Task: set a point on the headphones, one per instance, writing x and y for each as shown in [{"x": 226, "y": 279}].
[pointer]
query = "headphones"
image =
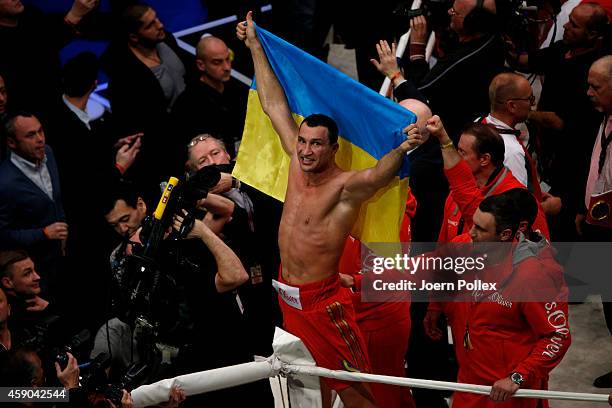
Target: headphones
[{"x": 479, "y": 20}]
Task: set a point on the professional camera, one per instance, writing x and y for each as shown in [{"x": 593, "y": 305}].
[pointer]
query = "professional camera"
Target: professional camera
[
  {"x": 520, "y": 20},
  {"x": 48, "y": 337},
  {"x": 43, "y": 332},
  {"x": 149, "y": 284},
  {"x": 75, "y": 344},
  {"x": 95, "y": 381},
  {"x": 435, "y": 11}
]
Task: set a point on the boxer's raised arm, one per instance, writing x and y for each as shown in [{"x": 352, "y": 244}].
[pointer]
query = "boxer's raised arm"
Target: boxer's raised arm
[{"x": 269, "y": 90}]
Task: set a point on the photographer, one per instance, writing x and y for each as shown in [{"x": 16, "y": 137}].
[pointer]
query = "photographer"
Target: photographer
[
  {"x": 23, "y": 367},
  {"x": 125, "y": 211},
  {"x": 248, "y": 233},
  {"x": 565, "y": 110},
  {"x": 456, "y": 86}
]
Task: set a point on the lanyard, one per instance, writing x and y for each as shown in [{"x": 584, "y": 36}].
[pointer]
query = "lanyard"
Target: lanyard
[{"x": 605, "y": 141}]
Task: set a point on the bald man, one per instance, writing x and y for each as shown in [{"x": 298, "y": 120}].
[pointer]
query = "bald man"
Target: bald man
[
  {"x": 421, "y": 110},
  {"x": 511, "y": 100},
  {"x": 214, "y": 62},
  {"x": 600, "y": 170},
  {"x": 213, "y": 103},
  {"x": 565, "y": 111}
]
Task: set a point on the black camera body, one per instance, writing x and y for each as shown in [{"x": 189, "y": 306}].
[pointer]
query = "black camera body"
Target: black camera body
[
  {"x": 96, "y": 383},
  {"x": 149, "y": 281},
  {"x": 435, "y": 11},
  {"x": 519, "y": 20},
  {"x": 48, "y": 338},
  {"x": 75, "y": 344}
]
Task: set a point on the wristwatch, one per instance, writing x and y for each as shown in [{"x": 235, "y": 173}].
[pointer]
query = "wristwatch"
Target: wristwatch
[{"x": 517, "y": 378}]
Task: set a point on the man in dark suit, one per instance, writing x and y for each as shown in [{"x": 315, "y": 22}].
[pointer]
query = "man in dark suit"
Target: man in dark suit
[
  {"x": 31, "y": 212},
  {"x": 83, "y": 175}
]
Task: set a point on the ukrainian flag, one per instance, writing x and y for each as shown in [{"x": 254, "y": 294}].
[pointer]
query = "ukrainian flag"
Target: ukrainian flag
[{"x": 369, "y": 125}]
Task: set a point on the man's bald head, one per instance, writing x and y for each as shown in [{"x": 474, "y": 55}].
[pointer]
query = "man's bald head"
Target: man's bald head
[
  {"x": 506, "y": 86},
  {"x": 604, "y": 66},
  {"x": 209, "y": 44},
  {"x": 587, "y": 23},
  {"x": 422, "y": 112},
  {"x": 214, "y": 61},
  {"x": 600, "y": 84}
]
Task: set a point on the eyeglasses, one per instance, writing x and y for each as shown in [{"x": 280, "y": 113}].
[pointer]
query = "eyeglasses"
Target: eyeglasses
[
  {"x": 197, "y": 140},
  {"x": 531, "y": 99}
]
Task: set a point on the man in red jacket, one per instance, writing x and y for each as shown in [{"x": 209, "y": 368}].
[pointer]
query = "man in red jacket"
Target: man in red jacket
[
  {"x": 516, "y": 334},
  {"x": 474, "y": 170}
]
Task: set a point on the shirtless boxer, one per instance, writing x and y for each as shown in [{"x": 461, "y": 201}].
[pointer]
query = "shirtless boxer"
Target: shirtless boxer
[{"x": 321, "y": 205}]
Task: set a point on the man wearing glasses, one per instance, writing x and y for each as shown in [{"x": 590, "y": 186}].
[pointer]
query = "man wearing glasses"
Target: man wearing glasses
[{"x": 512, "y": 102}]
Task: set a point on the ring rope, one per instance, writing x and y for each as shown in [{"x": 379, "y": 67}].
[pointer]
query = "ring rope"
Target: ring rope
[{"x": 226, "y": 377}]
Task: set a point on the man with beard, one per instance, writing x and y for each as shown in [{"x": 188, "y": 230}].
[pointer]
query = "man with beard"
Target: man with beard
[{"x": 147, "y": 72}]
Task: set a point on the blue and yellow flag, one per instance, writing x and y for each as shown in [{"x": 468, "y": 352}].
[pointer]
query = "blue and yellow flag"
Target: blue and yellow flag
[{"x": 369, "y": 124}]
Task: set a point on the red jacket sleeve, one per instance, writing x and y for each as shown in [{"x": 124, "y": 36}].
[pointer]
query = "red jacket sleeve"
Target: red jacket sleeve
[
  {"x": 464, "y": 190},
  {"x": 550, "y": 323}
]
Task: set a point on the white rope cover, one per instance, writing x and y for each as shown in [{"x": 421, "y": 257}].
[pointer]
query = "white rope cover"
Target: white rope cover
[
  {"x": 203, "y": 381},
  {"x": 293, "y": 360},
  {"x": 440, "y": 385}
]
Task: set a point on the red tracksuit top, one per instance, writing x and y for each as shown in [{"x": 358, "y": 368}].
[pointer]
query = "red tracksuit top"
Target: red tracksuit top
[
  {"x": 465, "y": 197},
  {"x": 509, "y": 336}
]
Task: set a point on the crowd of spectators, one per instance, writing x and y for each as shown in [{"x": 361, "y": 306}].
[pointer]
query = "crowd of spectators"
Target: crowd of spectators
[{"x": 77, "y": 192}]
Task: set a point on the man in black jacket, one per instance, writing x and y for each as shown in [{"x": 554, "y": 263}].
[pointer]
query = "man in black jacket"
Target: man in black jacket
[
  {"x": 455, "y": 88},
  {"x": 147, "y": 72},
  {"x": 83, "y": 146},
  {"x": 567, "y": 119},
  {"x": 213, "y": 103}
]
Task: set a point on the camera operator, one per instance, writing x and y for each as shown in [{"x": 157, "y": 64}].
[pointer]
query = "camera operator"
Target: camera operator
[
  {"x": 223, "y": 336},
  {"x": 565, "y": 110},
  {"x": 125, "y": 211},
  {"x": 246, "y": 233},
  {"x": 21, "y": 282},
  {"x": 23, "y": 367},
  {"x": 456, "y": 86}
]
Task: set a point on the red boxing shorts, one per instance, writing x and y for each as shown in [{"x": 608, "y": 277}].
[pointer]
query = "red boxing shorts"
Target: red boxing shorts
[{"x": 321, "y": 314}]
